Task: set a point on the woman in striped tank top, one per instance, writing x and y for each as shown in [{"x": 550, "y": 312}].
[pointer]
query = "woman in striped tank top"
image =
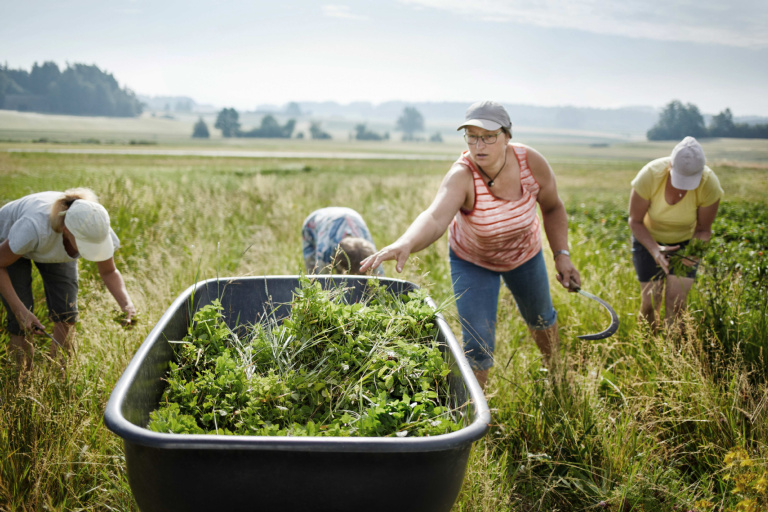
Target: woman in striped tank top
[{"x": 488, "y": 201}]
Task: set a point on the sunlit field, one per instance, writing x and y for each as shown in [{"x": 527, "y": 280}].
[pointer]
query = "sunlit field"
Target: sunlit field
[{"x": 636, "y": 422}]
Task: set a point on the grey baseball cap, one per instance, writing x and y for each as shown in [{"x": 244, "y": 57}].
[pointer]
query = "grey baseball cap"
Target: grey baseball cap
[
  {"x": 488, "y": 115},
  {"x": 687, "y": 164}
]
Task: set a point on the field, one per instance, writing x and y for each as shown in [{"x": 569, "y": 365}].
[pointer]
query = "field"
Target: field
[{"x": 639, "y": 422}]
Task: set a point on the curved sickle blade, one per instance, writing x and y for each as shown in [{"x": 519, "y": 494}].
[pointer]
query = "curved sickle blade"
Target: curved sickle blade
[
  {"x": 41, "y": 331},
  {"x": 614, "y": 318}
]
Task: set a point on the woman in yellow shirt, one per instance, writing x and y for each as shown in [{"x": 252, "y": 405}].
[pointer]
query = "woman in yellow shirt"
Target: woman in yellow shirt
[{"x": 673, "y": 200}]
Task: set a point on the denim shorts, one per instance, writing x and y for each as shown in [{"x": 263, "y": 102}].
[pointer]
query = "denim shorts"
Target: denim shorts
[
  {"x": 59, "y": 282},
  {"x": 646, "y": 267},
  {"x": 477, "y": 299}
]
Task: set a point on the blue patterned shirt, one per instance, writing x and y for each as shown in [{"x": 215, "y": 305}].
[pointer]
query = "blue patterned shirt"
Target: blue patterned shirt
[{"x": 322, "y": 231}]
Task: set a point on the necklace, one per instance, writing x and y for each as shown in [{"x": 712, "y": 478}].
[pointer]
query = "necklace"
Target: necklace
[{"x": 491, "y": 180}]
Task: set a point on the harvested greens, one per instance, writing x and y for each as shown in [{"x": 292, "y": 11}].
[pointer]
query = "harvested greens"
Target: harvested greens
[{"x": 370, "y": 368}]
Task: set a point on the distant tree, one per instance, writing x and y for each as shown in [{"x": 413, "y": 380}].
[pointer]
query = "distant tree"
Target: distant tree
[
  {"x": 86, "y": 90},
  {"x": 5, "y": 84},
  {"x": 410, "y": 122},
  {"x": 678, "y": 121},
  {"x": 316, "y": 132},
  {"x": 293, "y": 109},
  {"x": 722, "y": 125},
  {"x": 200, "y": 131},
  {"x": 436, "y": 137},
  {"x": 227, "y": 122},
  {"x": 270, "y": 128},
  {"x": 41, "y": 77},
  {"x": 362, "y": 133}
]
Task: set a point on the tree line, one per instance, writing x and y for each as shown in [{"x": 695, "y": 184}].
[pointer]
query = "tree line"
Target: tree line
[
  {"x": 228, "y": 121},
  {"x": 80, "y": 89},
  {"x": 678, "y": 121}
]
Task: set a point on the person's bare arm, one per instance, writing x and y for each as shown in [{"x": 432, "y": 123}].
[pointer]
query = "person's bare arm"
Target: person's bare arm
[
  {"x": 705, "y": 216},
  {"x": 430, "y": 224},
  {"x": 555, "y": 218},
  {"x": 638, "y": 207},
  {"x": 116, "y": 286},
  {"x": 27, "y": 320}
]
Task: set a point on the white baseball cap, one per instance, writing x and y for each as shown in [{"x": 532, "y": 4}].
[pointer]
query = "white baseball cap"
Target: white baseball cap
[
  {"x": 89, "y": 223},
  {"x": 687, "y": 164}
]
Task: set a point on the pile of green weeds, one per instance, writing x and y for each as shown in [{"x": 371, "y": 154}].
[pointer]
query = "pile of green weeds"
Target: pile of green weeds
[{"x": 370, "y": 368}]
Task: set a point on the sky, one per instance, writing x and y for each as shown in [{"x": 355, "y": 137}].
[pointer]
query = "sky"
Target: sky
[{"x": 241, "y": 54}]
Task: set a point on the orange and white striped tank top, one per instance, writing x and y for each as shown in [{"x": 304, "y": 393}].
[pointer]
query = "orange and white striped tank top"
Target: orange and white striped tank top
[{"x": 497, "y": 234}]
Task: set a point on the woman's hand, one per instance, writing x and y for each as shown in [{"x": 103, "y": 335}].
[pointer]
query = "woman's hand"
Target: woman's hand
[
  {"x": 567, "y": 273},
  {"x": 398, "y": 251},
  {"x": 28, "y": 321},
  {"x": 130, "y": 312},
  {"x": 661, "y": 256}
]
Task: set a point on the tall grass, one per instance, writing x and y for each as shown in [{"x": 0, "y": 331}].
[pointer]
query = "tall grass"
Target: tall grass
[{"x": 635, "y": 422}]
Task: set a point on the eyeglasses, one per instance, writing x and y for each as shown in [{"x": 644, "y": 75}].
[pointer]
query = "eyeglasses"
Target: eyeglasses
[{"x": 487, "y": 139}]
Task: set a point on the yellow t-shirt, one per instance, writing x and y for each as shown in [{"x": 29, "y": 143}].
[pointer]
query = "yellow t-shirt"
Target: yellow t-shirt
[{"x": 667, "y": 223}]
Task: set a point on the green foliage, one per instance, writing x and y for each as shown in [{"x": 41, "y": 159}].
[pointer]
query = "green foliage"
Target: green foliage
[
  {"x": 330, "y": 369},
  {"x": 678, "y": 121},
  {"x": 79, "y": 90},
  {"x": 227, "y": 121},
  {"x": 732, "y": 290},
  {"x": 271, "y": 129},
  {"x": 681, "y": 260},
  {"x": 200, "y": 130},
  {"x": 436, "y": 137},
  {"x": 316, "y": 132},
  {"x": 722, "y": 125},
  {"x": 410, "y": 122},
  {"x": 363, "y": 133}
]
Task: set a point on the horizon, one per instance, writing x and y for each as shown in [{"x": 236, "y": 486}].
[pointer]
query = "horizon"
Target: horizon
[{"x": 596, "y": 54}]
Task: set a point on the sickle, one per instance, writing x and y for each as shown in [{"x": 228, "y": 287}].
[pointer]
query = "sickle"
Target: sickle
[
  {"x": 614, "y": 317},
  {"x": 43, "y": 331}
]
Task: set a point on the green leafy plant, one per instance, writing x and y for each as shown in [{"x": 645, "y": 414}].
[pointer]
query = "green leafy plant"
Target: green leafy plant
[
  {"x": 681, "y": 260},
  {"x": 331, "y": 368}
]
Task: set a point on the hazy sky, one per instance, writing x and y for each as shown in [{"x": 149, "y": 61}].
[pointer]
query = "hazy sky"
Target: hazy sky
[{"x": 600, "y": 53}]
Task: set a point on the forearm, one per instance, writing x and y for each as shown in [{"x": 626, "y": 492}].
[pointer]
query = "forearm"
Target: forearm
[
  {"x": 642, "y": 235},
  {"x": 116, "y": 286},
  {"x": 422, "y": 233},
  {"x": 9, "y": 294},
  {"x": 703, "y": 234},
  {"x": 556, "y": 228}
]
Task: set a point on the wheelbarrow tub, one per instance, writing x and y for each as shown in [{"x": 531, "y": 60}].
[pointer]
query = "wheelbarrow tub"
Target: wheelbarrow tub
[{"x": 175, "y": 472}]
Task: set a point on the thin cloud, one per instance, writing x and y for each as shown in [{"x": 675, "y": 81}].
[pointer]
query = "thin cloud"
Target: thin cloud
[
  {"x": 741, "y": 23},
  {"x": 341, "y": 11}
]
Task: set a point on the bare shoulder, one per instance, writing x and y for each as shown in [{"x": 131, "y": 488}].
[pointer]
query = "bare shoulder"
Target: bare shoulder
[
  {"x": 535, "y": 158},
  {"x": 458, "y": 173},
  {"x": 539, "y": 166}
]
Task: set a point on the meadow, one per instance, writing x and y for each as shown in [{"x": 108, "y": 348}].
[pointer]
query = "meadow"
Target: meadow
[{"x": 636, "y": 422}]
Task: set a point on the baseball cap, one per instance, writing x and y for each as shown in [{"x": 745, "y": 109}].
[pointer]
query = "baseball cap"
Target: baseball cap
[
  {"x": 488, "y": 115},
  {"x": 687, "y": 164},
  {"x": 89, "y": 223}
]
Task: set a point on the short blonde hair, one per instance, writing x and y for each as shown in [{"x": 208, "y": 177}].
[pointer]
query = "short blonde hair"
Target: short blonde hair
[
  {"x": 350, "y": 252},
  {"x": 65, "y": 201}
]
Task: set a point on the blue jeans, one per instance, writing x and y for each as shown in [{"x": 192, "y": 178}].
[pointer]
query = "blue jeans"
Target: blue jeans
[{"x": 477, "y": 299}]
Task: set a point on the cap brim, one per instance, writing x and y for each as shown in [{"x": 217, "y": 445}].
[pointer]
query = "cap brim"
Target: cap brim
[
  {"x": 685, "y": 182},
  {"x": 481, "y": 123},
  {"x": 101, "y": 251}
]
